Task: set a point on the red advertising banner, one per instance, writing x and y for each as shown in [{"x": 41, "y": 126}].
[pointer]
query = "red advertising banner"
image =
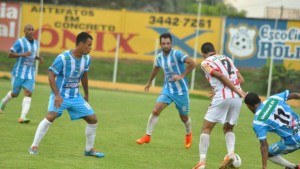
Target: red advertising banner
[{"x": 9, "y": 24}]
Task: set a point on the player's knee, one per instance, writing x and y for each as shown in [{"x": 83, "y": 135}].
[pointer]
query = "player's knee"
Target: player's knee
[
  {"x": 14, "y": 94},
  {"x": 156, "y": 112}
]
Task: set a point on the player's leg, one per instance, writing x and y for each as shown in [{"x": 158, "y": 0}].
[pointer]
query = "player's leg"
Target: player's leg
[
  {"x": 25, "y": 106},
  {"x": 279, "y": 148},
  {"x": 183, "y": 106},
  {"x": 231, "y": 108},
  {"x": 41, "y": 131},
  {"x": 16, "y": 88},
  {"x": 162, "y": 102},
  {"x": 90, "y": 132},
  {"x": 79, "y": 108},
  {"x": 44, "y": 125}
]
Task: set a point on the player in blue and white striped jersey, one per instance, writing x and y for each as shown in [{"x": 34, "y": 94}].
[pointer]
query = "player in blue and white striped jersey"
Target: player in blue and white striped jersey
[
  {"x": 276, "y": 116},
  {"x": 175, "y": 88},
  {"x": 67, "y": 71},
  {"x": 24, "y": 51}
]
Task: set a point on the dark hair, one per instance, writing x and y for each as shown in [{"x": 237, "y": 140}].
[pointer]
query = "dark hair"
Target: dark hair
[
  {"x": 165, "y": 35},
  {"x": 83, "y": 37},
  {"x": 252, "y": 99},
  {"x": 207, "y": 47}
]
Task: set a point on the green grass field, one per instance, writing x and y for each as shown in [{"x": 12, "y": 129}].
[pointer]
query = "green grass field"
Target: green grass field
[{"x": 123, "y": 117}]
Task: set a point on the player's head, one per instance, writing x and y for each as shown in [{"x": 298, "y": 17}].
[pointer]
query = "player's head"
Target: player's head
[
  {"x": 84, "y": 42},
  {"x": 28, "y": 31},
  {"x": 208, "y": 49},
  {"x": 252, "y": 101},
  {"x": 165, "y": 40}
]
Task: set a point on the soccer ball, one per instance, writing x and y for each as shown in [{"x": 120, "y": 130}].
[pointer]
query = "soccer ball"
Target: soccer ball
[{"x": 237, "y": 161}]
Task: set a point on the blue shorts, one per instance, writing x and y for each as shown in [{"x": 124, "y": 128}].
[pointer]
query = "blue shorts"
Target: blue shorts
[
  {"x": 76, "y": 107},
  {"x": 280, "y": 148},
  {"x": 18, "y": 83},
  {"x": 182, "y": 102}
]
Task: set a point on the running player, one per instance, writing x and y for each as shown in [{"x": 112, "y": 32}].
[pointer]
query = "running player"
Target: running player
[
  {"x": 225, "y": 81},
  {"x": 276, "y": 116},
  {"x": 175, "y": 87},
  {"x": 25, "y": 52},
  {"x": 67, "y": 71}
]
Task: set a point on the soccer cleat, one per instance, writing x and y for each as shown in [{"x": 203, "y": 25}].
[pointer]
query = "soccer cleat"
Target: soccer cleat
[
  {"x": 23, "y": 120},
  {"x": 33, "y": 150},
  {"x": 200, "y": 165},
  {"x": 144, "y": 139},
  {"x": 94, "y": 153},
  {"x": 188, "y": 141},
  {"x": 227, "y": 162},
  {"x": 297, "y": 167},
  {"x": 2, "y": 106}
]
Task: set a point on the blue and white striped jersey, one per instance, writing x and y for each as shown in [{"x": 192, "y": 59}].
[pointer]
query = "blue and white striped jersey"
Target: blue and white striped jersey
[
  {"x": 69, "y": 71},
  {"x": 275, "y": 115},
  {"x": 24, "y": 66},
  {"x": 173, "y": 64}
]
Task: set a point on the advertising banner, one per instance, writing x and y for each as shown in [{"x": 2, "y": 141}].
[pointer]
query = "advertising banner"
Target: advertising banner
[
  {"x": 252, "y": 41},
  {"x": 9, "y": 24},
  {"x": 138, "y": 31}
]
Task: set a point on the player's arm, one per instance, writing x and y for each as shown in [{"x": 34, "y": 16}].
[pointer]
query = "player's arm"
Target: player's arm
[
  {"x": 227, "y": 82},
  {"x": 294, "y": 96},
  {"x": 57, "y": 100},
  {"x": 190, "y": 65},
  {"x": 12, "y": 54},
  {"x": 85, "y": 85},
  {"x": 154, "y": 72},
  {"x": 240, "y": 77},
  {"x": 264, "y": 148}
]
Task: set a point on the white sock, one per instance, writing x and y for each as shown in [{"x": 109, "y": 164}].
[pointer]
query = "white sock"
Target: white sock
[
  {"x": 188, "y": 126},
  {"x": 40, "y": 132},
  {"x": 203, "y": 146},
  {"x": 90, "y": 132},
  {"x": 7, "y": 98},
  {"x": 281, "y": 161},
  {"x": 151, "y": 124},
  {"x": 25, "y": 106},
  {"x": 230, "y": 142}
]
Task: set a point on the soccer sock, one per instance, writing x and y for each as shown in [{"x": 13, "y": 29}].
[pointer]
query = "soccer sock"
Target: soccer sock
[
  {"x": 7, "y": 98},
  {"x": 281, "y": 161},
  {"x": 203, "y": 146},
  {"x": 151, "y": 124},
  {"x": 25, "y": 106},
  {"x": 230, "y": 142},
  {"x": 40, "y": 132},
  {"x": 188, "y": 126},
  {"x": 90, "y": 132}
]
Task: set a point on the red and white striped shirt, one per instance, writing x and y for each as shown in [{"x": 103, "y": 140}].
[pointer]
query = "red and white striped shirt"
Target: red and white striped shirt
[{"x": 224, "y": 65}]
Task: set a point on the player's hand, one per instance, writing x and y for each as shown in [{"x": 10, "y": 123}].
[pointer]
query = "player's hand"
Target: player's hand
[
  {"x": 26, "y": 54},
  {"x": 86, "y": 98},
  {"x": 147, "y": 86},
  {"x": 57, "y": 101},
  {"x": 41, "y": 59},
  {"x": 177, "y": 77},
  {"x": 211, "y": 95},
  {"x": 242, "y": 93}
]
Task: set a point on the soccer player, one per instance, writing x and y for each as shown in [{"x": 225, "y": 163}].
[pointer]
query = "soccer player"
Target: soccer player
[
  {"x": 276, "y": 116},
  {"x": 65, "y": 74},
  {"x": 175, "y": 87},
  {"x": 24, "y": 51},
  {"x": 225, "y": 81}
]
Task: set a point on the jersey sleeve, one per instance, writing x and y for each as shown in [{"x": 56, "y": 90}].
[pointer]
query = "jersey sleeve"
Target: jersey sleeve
[
  {"x": 88, "y": 63},
  {"x": 180, "y": 56},
  {"x": 260, "y": 131},
  {"x": 157, "y": 61},
  {"x": 208, "y": 67},
  {"x": 16, "y": 48},
  {"x": 284, "y": 95},
  {"x": 57, "y": 65}
]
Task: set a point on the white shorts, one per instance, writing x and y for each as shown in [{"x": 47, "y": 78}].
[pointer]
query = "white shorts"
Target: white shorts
[{"x": 225, "y": 110}]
